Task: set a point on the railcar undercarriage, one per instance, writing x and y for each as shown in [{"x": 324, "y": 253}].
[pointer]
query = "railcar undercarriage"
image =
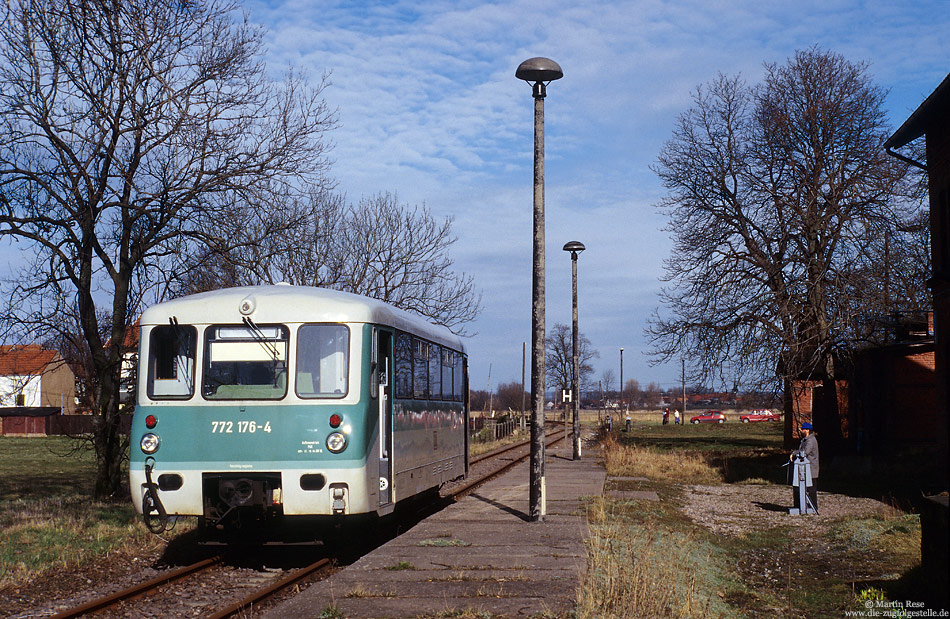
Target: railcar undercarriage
[{"x": 235, "y": 501}]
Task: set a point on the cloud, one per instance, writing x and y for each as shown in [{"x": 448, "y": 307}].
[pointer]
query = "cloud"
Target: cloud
[{"x": 430, "y": 109}]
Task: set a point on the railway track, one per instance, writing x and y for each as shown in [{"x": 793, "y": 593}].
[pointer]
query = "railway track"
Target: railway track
[
  {"x": 506, "y": 448},
  {"x": 186, "y": 590}
]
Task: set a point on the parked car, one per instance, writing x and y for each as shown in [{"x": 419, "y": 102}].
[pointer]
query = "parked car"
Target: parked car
[
  {"x": 760, "y": 415},
  {"x": 709, "y": 417}
]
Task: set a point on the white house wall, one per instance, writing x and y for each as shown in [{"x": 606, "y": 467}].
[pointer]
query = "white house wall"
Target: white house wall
[{"x": 11, "y": 386}]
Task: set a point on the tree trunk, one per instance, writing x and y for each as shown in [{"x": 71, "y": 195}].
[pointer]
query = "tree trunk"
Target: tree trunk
[{"x": 108, "y": 440}]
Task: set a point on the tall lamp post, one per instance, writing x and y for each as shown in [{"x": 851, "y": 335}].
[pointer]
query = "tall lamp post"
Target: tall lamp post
[
  {"x": 575, "y": 247},
  {"x": 538, "y": 72}
]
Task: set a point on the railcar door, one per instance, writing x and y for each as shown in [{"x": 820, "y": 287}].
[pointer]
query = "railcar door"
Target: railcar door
[{"x": 382, "y": 359}]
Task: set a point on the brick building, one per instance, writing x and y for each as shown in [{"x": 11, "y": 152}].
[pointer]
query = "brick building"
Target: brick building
[{"x": 932, "y": 122}]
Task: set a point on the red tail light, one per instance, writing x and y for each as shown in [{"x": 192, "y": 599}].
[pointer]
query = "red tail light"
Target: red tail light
[
  {"x": 335, "y": 420},
  {"x": 150, "y": 421}
]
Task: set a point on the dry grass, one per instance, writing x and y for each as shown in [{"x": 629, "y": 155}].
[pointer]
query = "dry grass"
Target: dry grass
[
  {"x": 898, "y": 535},
  {"x": 634, "y": 571},
  {"x": 664, "y": 466}
]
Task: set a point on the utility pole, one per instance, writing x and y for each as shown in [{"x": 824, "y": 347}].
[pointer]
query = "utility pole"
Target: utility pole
[
  {"x": 489, "y": 392},
  {"x": 523, "y": 345},
  {"x": 621, "y": 381},
  {"x": 683, "y": 418}
]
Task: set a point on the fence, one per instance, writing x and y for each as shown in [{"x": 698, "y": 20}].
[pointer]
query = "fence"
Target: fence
[
  {"x": 484, "y": 430},
  {"x": 54, "y": 425}
]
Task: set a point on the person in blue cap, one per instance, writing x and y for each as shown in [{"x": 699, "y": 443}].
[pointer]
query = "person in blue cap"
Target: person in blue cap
[{"x": 809, "y": 448}]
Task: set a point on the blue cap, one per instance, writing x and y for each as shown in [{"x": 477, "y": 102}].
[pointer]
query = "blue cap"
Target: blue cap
[{"x": 806, "y": 425}]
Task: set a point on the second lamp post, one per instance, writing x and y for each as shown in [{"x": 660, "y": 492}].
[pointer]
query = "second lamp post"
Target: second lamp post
[{"x": 575, "y": 247}]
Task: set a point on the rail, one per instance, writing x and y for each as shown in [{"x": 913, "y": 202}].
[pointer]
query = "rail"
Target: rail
[
  {"x": 240, "y": 607},
  {"x": 139, "y": 590}
]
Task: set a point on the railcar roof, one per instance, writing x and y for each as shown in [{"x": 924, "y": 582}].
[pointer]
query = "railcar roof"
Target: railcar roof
[{"x": 283, "y": 303}]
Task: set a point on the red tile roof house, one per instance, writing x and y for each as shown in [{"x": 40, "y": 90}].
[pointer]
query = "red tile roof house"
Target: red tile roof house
[{"x": 35, "y": 384}]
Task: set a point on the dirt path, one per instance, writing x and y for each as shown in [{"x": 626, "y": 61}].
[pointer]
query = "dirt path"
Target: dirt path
[{"x": 733, "y": 509}]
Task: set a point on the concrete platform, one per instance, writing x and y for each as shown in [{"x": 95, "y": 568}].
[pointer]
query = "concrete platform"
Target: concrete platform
[
  {"x": 479, "y": 555},
  {"x": 628, "y": 488}
]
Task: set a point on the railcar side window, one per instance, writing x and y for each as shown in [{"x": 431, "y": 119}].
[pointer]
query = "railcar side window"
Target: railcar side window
[
  {"x": 403, "y": 365},
  {"x": 435, "y": 372},
  {"x": 448, "y": 360},
  {"x": 322, "y": 361},
  {"x": 420, "y": 366},
  {"x": 458, "y": 382},
  {"x": 245, "y": 362},
  {"x": 171, "y": 362}
]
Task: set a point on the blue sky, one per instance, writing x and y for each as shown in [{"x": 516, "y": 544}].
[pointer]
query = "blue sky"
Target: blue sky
[{"x": 430, "y": 109}]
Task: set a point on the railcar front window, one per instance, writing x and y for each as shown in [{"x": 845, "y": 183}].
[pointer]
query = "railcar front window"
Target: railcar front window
[
  {"x": 171, "y": 362},
  {"x": 246, "y": 362},
  {"x": 322, "y": 361}
]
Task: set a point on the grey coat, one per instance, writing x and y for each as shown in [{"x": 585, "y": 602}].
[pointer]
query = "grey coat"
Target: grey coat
[{"x": 809, "y": 447}]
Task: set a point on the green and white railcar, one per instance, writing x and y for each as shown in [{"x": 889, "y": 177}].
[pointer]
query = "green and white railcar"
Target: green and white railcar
[{"x": 258, "y": 405}]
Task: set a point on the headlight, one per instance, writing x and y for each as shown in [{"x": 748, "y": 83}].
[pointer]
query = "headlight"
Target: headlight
[
  {"x": 149, "y": 443},
  {"x": 336, "y": 442}
]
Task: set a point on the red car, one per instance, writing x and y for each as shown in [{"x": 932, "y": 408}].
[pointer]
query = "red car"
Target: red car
[
  {"x": 709, "y": 417},
  {"x": 760, "y": 415}
]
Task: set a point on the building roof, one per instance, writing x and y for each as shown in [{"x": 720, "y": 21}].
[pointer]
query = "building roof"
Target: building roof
[
  {"x": 933, "y": 106},
  {"x": 131, "y": 341},
  {"x": 29, "y": 411},
  {"x": 29, "y": 360}
]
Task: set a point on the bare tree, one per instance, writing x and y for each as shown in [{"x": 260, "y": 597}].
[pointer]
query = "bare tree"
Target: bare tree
[
  {"x": 607, "y": 378},
  {"x": 559, "y": 358},
  {"x": 652, "y": 395},
  {"x": 509, "y": 396},
  {"x": 308, "y": 253},
  {"x": 478, "y": 399},
  {"x": 632, "y": 393},
  {"x": 773, "y": 190},
  {"x": 400, "y": 254},
  {"x": 378, "y": 248},
  {"x": 889, "y": 275},
  {"x": 131, "y": 130}
]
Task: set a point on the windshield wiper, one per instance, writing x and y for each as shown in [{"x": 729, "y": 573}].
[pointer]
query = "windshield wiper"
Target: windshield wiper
[{"x": 268, "y": 345}]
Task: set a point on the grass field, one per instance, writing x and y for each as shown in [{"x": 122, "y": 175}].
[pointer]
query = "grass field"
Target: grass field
[
  {"x": 47, "y": 519},
  {"x": 648, "y": 559}
]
